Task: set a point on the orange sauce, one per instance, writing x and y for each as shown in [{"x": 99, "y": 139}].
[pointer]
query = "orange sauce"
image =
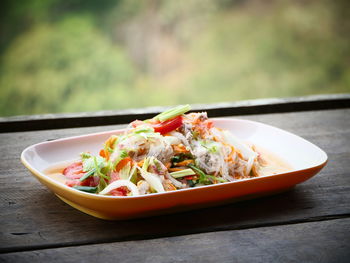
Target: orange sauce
[
  {"x": 271, "y": 163},
  {"x": 56, "y": 171}
]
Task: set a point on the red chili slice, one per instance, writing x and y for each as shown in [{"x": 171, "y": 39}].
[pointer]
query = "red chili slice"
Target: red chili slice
[{"x": 168, "y": 126}]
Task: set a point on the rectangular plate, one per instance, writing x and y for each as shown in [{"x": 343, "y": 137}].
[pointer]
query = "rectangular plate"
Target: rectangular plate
[{"x": 306, "y": 159}]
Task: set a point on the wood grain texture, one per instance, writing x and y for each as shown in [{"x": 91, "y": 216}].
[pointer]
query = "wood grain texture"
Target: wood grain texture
[
  {"x": 318, "y": 242},
  {"x": 33, "y": 218}
]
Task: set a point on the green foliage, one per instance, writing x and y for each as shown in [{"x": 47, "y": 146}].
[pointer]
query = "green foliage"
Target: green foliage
[
  {"x": 68, "y": 66},
  {"x": 288, "y": 51},
  {"x": 87, "y": 55}
]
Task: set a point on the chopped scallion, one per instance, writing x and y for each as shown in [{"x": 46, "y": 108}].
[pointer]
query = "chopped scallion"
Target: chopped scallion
[
  {"x": 182, "y": 173},
  {"x": 221, "y": 180},
  {"x": 172, "y": 113},
  {"x": 204, "y": 178}
]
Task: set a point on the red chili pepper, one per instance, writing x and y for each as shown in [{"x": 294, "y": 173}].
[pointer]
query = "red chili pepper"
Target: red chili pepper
[{"x": 168, "y": 126}]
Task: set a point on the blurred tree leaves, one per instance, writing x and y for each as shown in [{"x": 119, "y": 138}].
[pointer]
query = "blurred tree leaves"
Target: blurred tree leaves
[
  {"x": 286, "y": 49},
  {"x": 65, "y": 66},
  {"x": 87, "y": 55}
]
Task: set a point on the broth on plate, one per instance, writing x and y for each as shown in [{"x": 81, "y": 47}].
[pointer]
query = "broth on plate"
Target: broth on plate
[
  {"x": 55, "y": 171},
  {"x": 271, "y": 163}
]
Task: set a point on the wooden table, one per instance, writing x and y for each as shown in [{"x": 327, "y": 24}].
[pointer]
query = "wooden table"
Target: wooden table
[{"x": 310, "y": 223}]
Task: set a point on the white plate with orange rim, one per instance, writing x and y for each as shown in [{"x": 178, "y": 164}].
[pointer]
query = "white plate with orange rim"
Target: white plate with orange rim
[{"x": 304, "y": 159}]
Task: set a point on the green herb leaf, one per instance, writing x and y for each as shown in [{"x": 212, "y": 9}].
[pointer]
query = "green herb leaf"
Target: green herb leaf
[
  {"x": 211, "y": 146},
  {"x": 176, "y": 159},
  {"x": 203, "y": 178},
  {"x": 93, "y": 165},
  {"x": 88, "y": 189},
  {"x": 90, "y": 162},
  {"x": 109, "y": 149},
  {"x": 125, "y": 171},
  {"x": 133, "y": 175},
  {"x": 101, "y": 185},
  {"x": 191, "y": 183},
  {"x": 146, "y": 163},
  {"x": 88, "y": 174},
  {"x": 121, "y": 155},
  {"x": 85, "y": 155},
  {"x": 217, "y": 178},
  {"x": 144, "y": 129},
  {"x": 97, "y": 167}
]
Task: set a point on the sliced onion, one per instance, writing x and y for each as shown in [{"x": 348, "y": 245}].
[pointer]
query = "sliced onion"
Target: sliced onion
[
  {"x": 174, "y": 181},
  {"x": 181, "y": 138},
  {"x": 152, "y": 180},
  {"x": 172, "y": 140},
  {"x": 119, "y": 183},
  {"x": 250, "y": 165},
  {"x": 244, "y": 149}
]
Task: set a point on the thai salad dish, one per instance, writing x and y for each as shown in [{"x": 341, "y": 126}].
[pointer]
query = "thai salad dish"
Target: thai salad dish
[{"x": 171, "y": 151}]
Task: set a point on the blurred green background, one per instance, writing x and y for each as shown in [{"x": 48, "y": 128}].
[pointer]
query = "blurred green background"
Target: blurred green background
[{"x": 87, "y": 55}]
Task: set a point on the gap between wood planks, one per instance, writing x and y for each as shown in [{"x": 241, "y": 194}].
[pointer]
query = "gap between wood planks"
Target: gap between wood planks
[
  {"x": 136, "y": 238},
  {"x": 259, "y": 106}
]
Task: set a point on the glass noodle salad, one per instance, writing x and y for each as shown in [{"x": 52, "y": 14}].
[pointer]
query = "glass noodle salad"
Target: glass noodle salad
[{"x": 171, "y": 151}]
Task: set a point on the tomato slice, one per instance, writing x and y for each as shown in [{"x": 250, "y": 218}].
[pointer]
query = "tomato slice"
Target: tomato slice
[
  {"x": 91, "y": 181},
  {"x": 168, "y": 126},
  {"x": 74, "y": 171},
  {"x": 121, "y": 191}
]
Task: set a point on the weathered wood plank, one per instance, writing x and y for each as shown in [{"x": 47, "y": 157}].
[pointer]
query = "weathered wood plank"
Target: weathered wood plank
[
  {"x": 32, "y": 217},
  {"x": 259, "y": 106},
  {"x": 327, "y": 241}
]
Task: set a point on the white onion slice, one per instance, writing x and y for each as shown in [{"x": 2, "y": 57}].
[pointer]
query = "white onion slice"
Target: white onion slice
[
  {"x": 172, "y": 140},
  {"x": 116, "y": 184},
  {"x": 244, "y": 149},
  {"x": 249, "y": 165},
  {"x": 174, "y": 181},
  {"x": 153, "y": 181},
  {"x": 181, "y": 138}
]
